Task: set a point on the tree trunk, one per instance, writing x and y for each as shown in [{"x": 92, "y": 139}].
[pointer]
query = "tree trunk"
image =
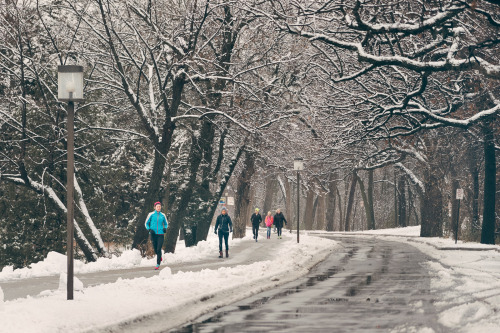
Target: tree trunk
[
  {"x": 366, "y": 203},
  {"x": 204, "y": 224},
  {"x": 371, "y": 222},
  {"x": 341, "y": 216},
  {"x": 474, "y": 171},
  {"x": 180, "y": 208},
  {"x": 321, "y": 213},
  {"x": 431, "y": 209},
  {"x": 288, "y": 202},
  {"x": 201, "y": 213},
  {"x": 330, "y": 204},
  {"x": 209, "y": 202},
  {"x": 152, "y": 195},
  {"x": 395, "y": 224},
  {"x": 242, "y": 201},
  {"x": 270, "y": 191},
  {"x": 308, "y": 212},
  {"x": 199, "y": 161},
  {"x": 410, "y": 206},
  {"x": 314, "y": 217},
  {"x": 454, "y": 206},
  {"x": 401, "y": 202},
  {"x": 488, "y": 228},
  {"x": 350, "y": 201}
]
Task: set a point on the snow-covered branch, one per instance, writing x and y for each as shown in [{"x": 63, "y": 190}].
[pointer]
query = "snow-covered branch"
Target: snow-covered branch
[
  {"x": 51, "y": 194},
  {"x": 413, "y": 177}
]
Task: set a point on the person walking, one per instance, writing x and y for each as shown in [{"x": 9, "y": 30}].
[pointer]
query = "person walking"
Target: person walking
[
  {"x": 223, "y": 226},
  {"x": 269, "y": 222},
  {"x": 256, "y": 220},
  {"x": 157, "y": 224},
  {"x": 279, "y": 218}
]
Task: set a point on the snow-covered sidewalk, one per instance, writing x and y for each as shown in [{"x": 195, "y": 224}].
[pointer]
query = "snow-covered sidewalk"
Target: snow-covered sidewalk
[
  {"x": 108, "y": 305},
  {"x": 55, "y": 263},
  {"x": 465, "y": 278}
]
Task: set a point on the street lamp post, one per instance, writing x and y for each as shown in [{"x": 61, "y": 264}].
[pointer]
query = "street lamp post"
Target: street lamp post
[
  {"x": 70, "y": 89},
  {"x": 298, "y": 165}
]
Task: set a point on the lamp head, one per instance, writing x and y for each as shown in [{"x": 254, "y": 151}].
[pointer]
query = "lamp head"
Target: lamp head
[
  {"x": 298, "y": 164},
  {"x": 70, "y": 83}
]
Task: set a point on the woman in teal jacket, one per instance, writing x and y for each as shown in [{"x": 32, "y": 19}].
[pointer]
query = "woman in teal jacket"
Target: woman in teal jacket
[
  {"x": 157, "y": 224},
  {"x": 223, "y": 226}
]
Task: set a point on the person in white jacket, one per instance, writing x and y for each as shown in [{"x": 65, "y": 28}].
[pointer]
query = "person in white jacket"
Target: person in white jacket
[{"x": 157, "y": 224}]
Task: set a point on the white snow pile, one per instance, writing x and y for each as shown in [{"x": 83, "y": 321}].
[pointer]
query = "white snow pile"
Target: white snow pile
[
  {"x": 408, "y": 231},
  {"x": 413, "y": 231},
  {"x": 55, "y": 263},
  {"x": 107, "y": 305},
  {"x": 468, "y": 283},
  {"x": 1, "y": 299}
]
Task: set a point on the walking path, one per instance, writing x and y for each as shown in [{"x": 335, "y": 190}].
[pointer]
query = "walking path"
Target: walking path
[{"x": 244, "y": 253}]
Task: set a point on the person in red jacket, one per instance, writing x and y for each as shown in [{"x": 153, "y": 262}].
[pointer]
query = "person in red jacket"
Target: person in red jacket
[{"x": 269, "y": 222}]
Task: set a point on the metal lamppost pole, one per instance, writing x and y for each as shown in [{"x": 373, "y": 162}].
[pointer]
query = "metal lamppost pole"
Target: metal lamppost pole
[
  {"x": 298, "y": 165},
  {"x": 70, "y": 196},
  {"x": 70, "y": 89},
  {"x": 459, "y": 196}
]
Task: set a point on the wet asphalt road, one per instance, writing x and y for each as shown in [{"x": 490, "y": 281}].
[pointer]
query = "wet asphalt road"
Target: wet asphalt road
[{"x": 370, "y": 286}]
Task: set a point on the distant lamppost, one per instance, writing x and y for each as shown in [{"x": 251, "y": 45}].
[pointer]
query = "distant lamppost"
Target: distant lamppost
[
  {"x": 70, "y": 89},
  {"x": 298, "y": 165}
]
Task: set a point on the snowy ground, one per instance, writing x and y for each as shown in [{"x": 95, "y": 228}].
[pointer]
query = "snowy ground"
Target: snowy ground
[
  {"x": 108, "y": 305},
  {"x": 465, "y": 278},
  {"x": 55, "y": 263},
  {"x": 465, "y": 282}
]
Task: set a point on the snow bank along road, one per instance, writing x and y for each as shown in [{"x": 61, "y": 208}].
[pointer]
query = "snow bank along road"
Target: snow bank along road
[
  {"x": 244, "y": 253},
  {"x": 372, "y": 285}
]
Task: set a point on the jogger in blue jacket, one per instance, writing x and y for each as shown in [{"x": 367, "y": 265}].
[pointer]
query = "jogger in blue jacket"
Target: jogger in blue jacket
[{"x": 157, "y": 224}]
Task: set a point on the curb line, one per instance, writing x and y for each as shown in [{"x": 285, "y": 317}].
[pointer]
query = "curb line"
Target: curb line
[{"x": 411, "y": 239}]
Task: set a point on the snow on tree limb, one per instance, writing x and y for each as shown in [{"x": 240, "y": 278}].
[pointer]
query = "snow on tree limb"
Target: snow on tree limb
[
  {"x": 413, "y": 177},
  {"x": 476, "y": 62},
  {"x": 446, "y": 13},
  {"x": 43, "y": 189},
  {"x": 90, "y": 223}
]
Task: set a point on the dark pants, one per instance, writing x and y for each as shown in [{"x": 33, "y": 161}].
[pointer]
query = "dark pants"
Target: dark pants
[
  {"x": 224, "y": 234},
  {"x": 157, "y": 244},
  {"x": 279, "y": 230},
  {"x": 255, "y": 229}
]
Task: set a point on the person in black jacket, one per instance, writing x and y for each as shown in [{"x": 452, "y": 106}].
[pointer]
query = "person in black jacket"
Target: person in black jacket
[
  {"x": 256, "y": 220},
  {"x": 223, "y": 226},
  {"x": 279, "y": 218}
]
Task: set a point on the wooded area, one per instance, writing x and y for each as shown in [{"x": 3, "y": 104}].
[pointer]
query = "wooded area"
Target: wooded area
[{"x": 392, "y": 105}]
